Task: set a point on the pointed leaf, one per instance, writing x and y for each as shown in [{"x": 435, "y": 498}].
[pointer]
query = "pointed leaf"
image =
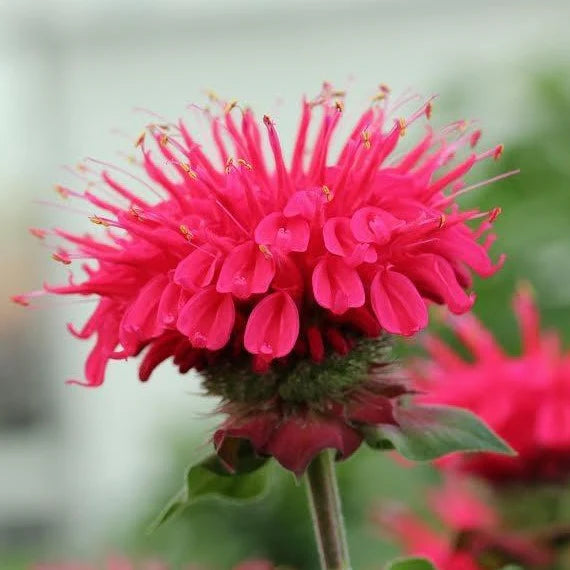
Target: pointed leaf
[
  {"x": 426, "y": 432},
  {"x": 209, "y": 479},
  {"x": 411, "y": 564}
]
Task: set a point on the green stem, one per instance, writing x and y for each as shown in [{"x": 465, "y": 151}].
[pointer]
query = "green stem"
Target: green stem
[{"x": 326, "y": 513}]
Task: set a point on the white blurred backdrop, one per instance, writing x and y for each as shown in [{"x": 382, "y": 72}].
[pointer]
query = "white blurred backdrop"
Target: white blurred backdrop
[{"x": 70, "y": 72}]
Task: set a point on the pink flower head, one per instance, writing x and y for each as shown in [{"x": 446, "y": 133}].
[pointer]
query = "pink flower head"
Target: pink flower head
[
  {"x": 525, "y": 399},
  {"x": 248, "y": 253},
  {"x": 471, "y": 539}
]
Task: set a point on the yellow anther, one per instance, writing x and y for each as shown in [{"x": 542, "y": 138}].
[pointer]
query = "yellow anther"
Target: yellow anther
[
  {"x": 131, "y": 158},
  {"x": 186, "y": 232},
  {"x": 140, "y": 139},
  {"x": 244, "y": 163},
  {"x": 212, "y": 95},
  {"x": 366, "y": 139},
  {"x": 339, "y": 105},
  {"x": 384, "y": 88},
  {"x": 164, "y": 140},
  {"x": 442, "y": 219},
  {"x": 338, "y": 93},
  {"x": 230, "y": 105},
  {"x": 81, "y": 167},
  {"x": 429, "y": 109},
  {"x": 98, "y": 221},
  {"x": 186, "y": 167},
  {"x": 59, "y": 258},
  {"x": 379, "y": 97},
  {"x": 402, "y": 124},
  {"x": 62, "y": 191},
  {"x": 265, "y": 250},
  {"x": 327, "y": 192}
]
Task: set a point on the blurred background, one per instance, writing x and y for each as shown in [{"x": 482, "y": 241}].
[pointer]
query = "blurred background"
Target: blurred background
[{"x": 82, "y": 472}]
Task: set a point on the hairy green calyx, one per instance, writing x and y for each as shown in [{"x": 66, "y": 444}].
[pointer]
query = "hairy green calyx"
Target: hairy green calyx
[{"x": 298, "y": 381}]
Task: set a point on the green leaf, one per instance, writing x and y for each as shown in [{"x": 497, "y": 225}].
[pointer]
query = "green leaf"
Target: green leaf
[
  {"x": 411, "y": 564},
  {"x": 427, "y": 432},
  {"x": 209, "y": 479}
]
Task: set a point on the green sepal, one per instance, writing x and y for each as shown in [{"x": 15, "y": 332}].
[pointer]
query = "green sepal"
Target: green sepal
[
  {"x": 427, "y": 432},
  {"x": 410, "y": 564},
  {"x": 210, "y": 479}
]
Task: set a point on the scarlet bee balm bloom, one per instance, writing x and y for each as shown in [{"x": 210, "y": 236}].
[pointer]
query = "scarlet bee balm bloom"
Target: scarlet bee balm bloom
[
  {"x": 525, "y": 398},
  {"x": 268, "y": 263}
]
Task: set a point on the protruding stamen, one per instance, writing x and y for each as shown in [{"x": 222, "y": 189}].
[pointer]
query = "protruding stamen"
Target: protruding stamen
[
  {"x": 230, "y": 106},
  {"x": 63, "y": 192},
  {"x": 339, "y": 105},
  {"x": 494, "y": 214},
  {"x": 265, "y": 250},
  {"x": 23, "y": 300},
  {"x": 498, "y": 151},
  {"x": 366, "y": 139},
  {"x": 186, "y": 232},
  {"x": 402, "y": 125},
  {"x": 442, "y": 219},
  {"x": 186, "y": 167},
  {"x": 140, "y": 139},
  {"x": 98, "y": 221},
  {"x": 327, "y": 192},
  {"x": 474, "y": 139},
  {"x": 37, "y": 232},
  {"x": 429, "y": 109},
  {"x": 61, "y": 258},
  {"x": 244, "y": 163}
]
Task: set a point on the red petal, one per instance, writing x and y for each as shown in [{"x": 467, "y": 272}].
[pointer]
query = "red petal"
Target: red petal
[
  {"x": 283, "y": 233},
  {"x": 298, "y": 440},
  {"x": 397, "y": 303},
  {"x": 273, "y": 326},
  {"x": 337, "y": 286},
  {"x": 246, "y": 270},
  {"x": 207, "y": 319}
]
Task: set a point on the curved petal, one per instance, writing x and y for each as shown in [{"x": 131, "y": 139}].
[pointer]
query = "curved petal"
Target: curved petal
[
  {"x": 207, "y": 319},
  {"x": 397, "y": 303},
  {"x": 273, "y": 326},
  {"x": 337, "y": 286},
  {"x": 246, "y": 270},
  {"x": 298, "y": 440},
  {"x": 283, "y": 233}
]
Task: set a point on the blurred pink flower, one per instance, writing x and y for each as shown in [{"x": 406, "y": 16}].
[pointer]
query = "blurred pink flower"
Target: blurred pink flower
[
  {"x": 205, "y": 258},
  {"x": 471, "y": 537},
  {"x": 525, "y": 399}
]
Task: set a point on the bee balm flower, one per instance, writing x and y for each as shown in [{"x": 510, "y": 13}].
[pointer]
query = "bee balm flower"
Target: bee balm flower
[
  {"x": 204, "y": 258},
  {"x": 525, "y": 399},
  {"x": 268, "y": 275}
]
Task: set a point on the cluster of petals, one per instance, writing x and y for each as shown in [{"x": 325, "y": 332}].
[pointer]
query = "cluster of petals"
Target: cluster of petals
[
  {"x": 524, "y": 398},
  {"x": 469, "y": 535},
  {"x": 294, "y": 438},
  {"x": 120, "y": 563},
  {"x": 255, "y": 254}
]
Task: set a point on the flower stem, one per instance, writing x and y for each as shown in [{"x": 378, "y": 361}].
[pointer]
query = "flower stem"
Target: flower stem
[{"x": 326, "y": 513}]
